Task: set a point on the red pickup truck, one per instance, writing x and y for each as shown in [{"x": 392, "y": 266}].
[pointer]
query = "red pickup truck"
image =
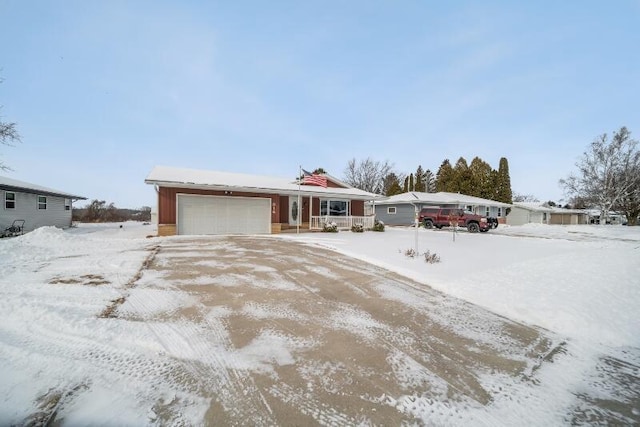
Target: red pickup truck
[{"x": 444, "y": 217}]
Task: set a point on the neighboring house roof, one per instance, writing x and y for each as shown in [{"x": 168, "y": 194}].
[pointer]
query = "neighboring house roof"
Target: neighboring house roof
[
  {"x": 9, "y": 184},
  {"x": 568, "y": 211},
  {"x": 439, "y": 198},
  {"x": 538, "y": 207},
  {"x": 532, "y": 206},
  {"x": 167, "y": 176}
]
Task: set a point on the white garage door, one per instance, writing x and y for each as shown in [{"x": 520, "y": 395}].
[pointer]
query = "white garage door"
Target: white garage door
[{"x": 223, "y": 215}]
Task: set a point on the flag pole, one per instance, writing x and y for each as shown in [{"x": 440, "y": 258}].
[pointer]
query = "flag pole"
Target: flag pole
[{"x": 298, "y": 205}]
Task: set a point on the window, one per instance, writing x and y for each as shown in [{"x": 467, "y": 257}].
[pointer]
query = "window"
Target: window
[
  {"x": 499, "y": 212},
  {"x": 445, "y": 212},
  {"x": 488, "y": 214},
  {"x": 67, "y": 204},
  {"x": 334, "y": 207},
  {"x": 42, "y": 202},
  {"x": 9, "y": 200},
  {"x": 544, "y": 216},
  {"x": 469, "y": 208},
  {"x": 391, "y": 210}
]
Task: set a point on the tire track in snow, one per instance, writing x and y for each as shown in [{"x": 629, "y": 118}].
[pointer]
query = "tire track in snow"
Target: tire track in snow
[{"x": 203, "y": 349}]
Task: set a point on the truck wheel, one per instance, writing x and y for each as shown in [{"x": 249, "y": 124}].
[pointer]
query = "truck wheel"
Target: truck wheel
[
  {"x": 473, "y": 227},
  {"x": 428, "y": 223}
]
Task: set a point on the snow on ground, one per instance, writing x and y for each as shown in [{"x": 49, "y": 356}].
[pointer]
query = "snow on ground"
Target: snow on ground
[{"x": 581, "y": 282}]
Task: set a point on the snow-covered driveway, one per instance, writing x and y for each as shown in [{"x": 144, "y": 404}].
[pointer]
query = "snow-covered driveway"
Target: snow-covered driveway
[{"x": 109, "y": 328}]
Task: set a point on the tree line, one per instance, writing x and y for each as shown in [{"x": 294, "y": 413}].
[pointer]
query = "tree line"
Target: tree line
[
  {"x": 475, "y": 179},
  {"x": 100, "y": 211}
]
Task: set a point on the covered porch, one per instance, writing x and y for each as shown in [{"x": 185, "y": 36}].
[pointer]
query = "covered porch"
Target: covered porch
[
  {"x": 343, "y": 222},
  {"x": 307, "y": 212}
]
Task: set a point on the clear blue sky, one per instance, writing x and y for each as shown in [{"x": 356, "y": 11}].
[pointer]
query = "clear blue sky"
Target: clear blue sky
[{"x": 103, "y": 91}]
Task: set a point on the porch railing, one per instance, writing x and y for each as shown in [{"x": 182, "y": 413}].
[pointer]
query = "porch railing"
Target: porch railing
[{"x": 343, "y": 222}]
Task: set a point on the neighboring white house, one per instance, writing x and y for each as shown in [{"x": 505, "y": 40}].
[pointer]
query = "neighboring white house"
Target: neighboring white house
[
  {"x": 38, "y": 206},
  {"x": 400, "y": 209},
  {"x": 614, "y": 218},
  {"x": 529, "y": 213},
  {"x": 536, "y": 213}
]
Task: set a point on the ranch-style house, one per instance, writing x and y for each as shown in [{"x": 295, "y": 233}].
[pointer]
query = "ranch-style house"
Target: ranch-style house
[{"x": 193, "y": 202}]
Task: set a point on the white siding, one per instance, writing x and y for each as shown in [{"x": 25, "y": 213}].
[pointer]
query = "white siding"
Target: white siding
[{"x": 27, "y": 209}]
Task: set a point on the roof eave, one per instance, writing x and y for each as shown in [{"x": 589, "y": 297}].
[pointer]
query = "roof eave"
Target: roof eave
[
  {"x": 313, "y": 191},
  {"x": 18, "y": 189}
]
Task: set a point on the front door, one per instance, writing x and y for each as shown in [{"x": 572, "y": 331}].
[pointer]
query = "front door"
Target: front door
[{"x": 294, "y": 211}]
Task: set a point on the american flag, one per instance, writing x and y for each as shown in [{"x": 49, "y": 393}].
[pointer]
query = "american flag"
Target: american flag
[{"x": 314, "y": 179}]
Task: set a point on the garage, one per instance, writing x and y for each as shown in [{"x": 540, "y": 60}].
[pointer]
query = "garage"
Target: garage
[{"x": 223, "y": 215}]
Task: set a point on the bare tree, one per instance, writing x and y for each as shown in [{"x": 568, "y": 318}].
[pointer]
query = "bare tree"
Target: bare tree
[
  {"x": 517, "y": 197},
  {"x": 367, "y": 175},
  {"x": 607, "y": 172},
  {"x": 629, "y": 204},
  {"x": 8, "y": 136}
]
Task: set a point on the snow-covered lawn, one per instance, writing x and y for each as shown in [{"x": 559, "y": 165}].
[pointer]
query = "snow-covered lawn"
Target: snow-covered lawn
[{"x": 580, "y": 282}]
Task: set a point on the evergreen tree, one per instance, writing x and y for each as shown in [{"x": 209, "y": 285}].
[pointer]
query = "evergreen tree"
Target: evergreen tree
[
  {"x": 462, "y": 177},
  {"x": 429, "y": 181},
  {"x": 411, "y": 183},
  {"x": 405, "y": 187},
  {"x": 419, "y": 180},
  {"x": 481, "y": 178},
  {"x": 391, "y": 185},
  {"x": 503, "y": 187},
  {"x": 445, "y": 177}
]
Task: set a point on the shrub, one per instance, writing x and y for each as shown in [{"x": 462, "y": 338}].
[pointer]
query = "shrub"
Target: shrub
[
  {"x": 330, "y": 227},
  {"x": 378, "y": 225},
  {"x": 411, "y": 253},
  {"x": 357, "y": 228},
  {"x": 431, "y": 258}
]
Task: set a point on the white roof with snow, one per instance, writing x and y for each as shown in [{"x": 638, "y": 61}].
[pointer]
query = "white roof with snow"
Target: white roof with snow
[
  {"x": 538, "y": 207},
  {"x": 167, "y": 176},
  {"x": 440, "y": 198},
  {"x": 532, "y": 206},
  {"x": 25, "y": 187}
]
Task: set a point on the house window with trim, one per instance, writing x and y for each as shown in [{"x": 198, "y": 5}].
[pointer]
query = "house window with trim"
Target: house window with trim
[
  {"x": 499, "y": 212},
  {"x": 9, "y": 200},
  {"x": 334, "y": 207},
  {"x": 42, "y": 202},
  {"x": 488, "y": 212},
  {"x": 67, "y": 204},
  {"x": 391, "y": 210}
]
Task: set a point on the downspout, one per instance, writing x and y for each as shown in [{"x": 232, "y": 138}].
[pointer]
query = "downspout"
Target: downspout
[{"x": 155, "y": 187}]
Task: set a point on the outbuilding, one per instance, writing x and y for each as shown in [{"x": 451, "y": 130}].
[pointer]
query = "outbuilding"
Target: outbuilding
[
  {"x": 193, "y": 202},
  {"x": 36, "y": 205}
]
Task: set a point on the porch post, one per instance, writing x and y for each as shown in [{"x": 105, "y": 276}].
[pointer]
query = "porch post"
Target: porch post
[{"x": 310, "y": 210}]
